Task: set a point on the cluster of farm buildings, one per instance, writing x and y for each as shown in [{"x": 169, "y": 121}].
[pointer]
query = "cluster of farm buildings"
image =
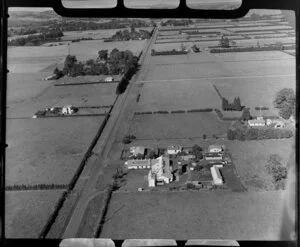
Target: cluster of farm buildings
[{"x": 175, "y": 161}]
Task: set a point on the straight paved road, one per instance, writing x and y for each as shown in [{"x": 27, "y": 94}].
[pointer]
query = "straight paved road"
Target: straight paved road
[{"x": 119, "y": 112}]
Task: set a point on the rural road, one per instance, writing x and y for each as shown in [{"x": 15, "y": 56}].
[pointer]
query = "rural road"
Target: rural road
[{"x": 119, "y": 113}]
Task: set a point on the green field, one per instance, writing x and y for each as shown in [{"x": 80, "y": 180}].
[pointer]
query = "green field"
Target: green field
[
  {"x": 255, "y": 92},
  {"x": 176, "y": 126},
  {"x": 178, "y": 95},
  {"x": 250, "y": 158},
  {"x": 194, "y": 215},
  {"x": 27, "y": 212},
  {"x": 46, "y": 151}
]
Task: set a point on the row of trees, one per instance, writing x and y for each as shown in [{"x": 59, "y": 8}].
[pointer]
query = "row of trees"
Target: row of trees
[
  {"x": 235, "y": 106},
  {"x": 177, "y": 22},
  {"x": 92, "y": 25},
  {"x": 122, "y": 35},
  {"x": 37, "y": 39}
]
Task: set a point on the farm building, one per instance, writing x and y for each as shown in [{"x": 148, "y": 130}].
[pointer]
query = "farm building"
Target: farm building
[
  {"x": 217, "y": 177},
  {"x": 200, "y": 178},
  {"x": 277, "y": 123},
  {"x": 109, "y": 79},
  {"x": 137, "y": 150},
  {"x": 138, "y": 164},
  {"x": 213, "y": 156},
  {"x": 215, "y": 148},
  {"x": 174, "y": 150},
  {"x": 68, "y": 109},
  {"x": 257, "y": 122},
  {"x": 161, "y": 170},
  {"x": 151, "y": 179}
]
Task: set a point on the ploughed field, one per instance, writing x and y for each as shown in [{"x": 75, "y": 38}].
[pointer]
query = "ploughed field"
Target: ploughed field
[{"x": 194, "y": 215}]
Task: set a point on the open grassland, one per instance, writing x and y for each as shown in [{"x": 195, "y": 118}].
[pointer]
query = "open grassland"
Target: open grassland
[
  {"x": 250, "y": 158},
  {"x": 23, "y": 86},
  {"x": 178, "y": 95},
  {"x": 47, "y": 151},
  {"x": 194, "y": 215},
  {"x": 81, "y": 95},
  {"x": 249, "y": 56},
  {"x": 27, "y": 212},
  {"x": 187, "y": 71},
  {"x": 255, "y": 92},
  {"x": 182, "y": 125}
]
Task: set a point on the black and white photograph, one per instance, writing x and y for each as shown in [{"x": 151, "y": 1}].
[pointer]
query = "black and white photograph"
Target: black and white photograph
[{"x": 151, "y": 128}]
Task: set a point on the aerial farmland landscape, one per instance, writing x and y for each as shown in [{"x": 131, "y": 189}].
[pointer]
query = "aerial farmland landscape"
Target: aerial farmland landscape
[{"x": 128, "y": 128}]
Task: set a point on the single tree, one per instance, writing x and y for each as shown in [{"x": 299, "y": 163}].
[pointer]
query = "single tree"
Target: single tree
[
  {"x": 285, "y": 102},
  {"x": 246, "y": 115}
]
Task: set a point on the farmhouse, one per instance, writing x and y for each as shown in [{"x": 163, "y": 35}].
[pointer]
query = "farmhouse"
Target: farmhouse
[
  {"x": 137, "y": 150},
  {"x": 109, "y": 79},
  {"x": 257, "y": 122},
  {"x": 217, "y": 177},
  {"x": 68, "y": 109},
  {"x": 174, "y": 150},
  {"x": 138, "y": 164},
  {"x": 215, "y": 148},
  {"x": 202, "y": 179}
]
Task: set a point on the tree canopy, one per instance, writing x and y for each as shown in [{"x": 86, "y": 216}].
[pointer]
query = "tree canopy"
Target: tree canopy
[{"x": 285, "y": 102}]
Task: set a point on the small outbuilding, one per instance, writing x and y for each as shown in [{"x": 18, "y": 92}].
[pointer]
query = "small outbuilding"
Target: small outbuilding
[{"x": 68, "y": 109}]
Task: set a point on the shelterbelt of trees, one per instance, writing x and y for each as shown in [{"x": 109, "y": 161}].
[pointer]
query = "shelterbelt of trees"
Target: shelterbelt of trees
[
  {"x": 114, "y": 63},
  {"x": 37, "y": 39}
]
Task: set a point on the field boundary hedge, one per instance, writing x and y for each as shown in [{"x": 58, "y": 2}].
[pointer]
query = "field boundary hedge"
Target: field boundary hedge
[
  {"x": 167, "y": 53},
  {"x": 83, "y": 83},
  {"x": 252, "y": 49},
  {"x": 21, "y": 187},
  {"x": 218, "y": 92},
  {"x": 174, "y": 111}
]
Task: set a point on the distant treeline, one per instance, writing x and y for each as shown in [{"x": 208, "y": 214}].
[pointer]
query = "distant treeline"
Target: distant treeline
[
  {"x": 82, "y": 26},
  {"x": 176, "y": 23},
  {"x": 251, "y": 49},
  {"x": 172, "y": 52},
  {"x": 38, "y": 39}
]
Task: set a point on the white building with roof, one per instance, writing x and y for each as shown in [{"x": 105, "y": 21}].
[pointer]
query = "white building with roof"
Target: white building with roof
[
  {"x": 68, "y": 109},
  {"x": 138, "y": 164},
  {"x": 215, "y": 148},
  {"x": 174, "y": 150},
  {"x": 160, "y": 171},
  {"x": 217, "y": 177},
  {"x": 109, "y": 79},
  {"x": 137, "y": 150},
  {"x": 256, "y": 122}
]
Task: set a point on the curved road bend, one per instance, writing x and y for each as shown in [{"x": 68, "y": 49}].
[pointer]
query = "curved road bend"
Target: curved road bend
[{"x": 121, "y": 113}]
